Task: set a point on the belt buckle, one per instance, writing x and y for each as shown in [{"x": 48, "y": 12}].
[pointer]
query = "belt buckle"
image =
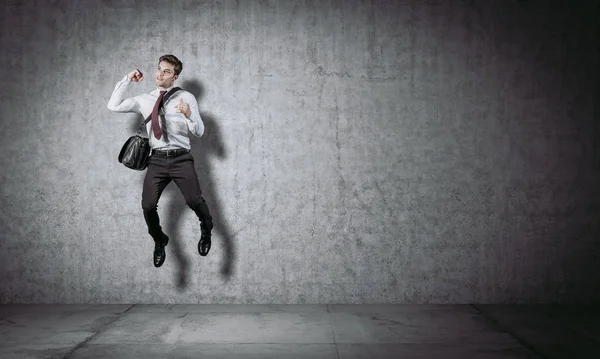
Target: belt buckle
[{"x": 168, "y": 153}]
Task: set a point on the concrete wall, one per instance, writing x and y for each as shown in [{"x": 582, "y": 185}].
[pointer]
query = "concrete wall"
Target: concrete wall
[{"x": 355, "y": 152}]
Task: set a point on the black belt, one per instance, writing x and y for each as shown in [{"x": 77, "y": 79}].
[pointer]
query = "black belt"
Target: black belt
[{"x": 169, "y": 153}]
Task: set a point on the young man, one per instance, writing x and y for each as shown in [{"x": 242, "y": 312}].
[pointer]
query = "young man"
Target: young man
[{"x": 170, "y": 158}]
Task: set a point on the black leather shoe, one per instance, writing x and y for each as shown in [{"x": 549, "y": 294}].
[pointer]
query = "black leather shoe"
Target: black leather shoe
[
  {"x": 204, "y": 243},
  {"x": 159, "y": 251}
]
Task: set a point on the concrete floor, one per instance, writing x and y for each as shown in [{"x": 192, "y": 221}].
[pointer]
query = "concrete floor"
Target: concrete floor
[{"x": 298, "y": 331}]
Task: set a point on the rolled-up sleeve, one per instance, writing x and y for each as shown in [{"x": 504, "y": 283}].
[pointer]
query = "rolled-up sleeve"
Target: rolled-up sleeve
[{"x": 117, "y": 103}]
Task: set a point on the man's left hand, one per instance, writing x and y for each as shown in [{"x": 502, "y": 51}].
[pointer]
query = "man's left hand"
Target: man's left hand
[{"x": 183, "y": 108}]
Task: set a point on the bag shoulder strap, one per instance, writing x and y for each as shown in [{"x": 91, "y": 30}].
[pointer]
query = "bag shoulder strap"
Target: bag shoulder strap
[{"x": 165, "y": 99}]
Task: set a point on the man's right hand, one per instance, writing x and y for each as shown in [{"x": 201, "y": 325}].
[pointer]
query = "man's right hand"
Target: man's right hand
[{"x": 136, "y": 75}]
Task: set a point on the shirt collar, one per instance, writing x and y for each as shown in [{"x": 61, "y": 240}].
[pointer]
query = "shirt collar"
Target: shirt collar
[{"x": 157, "y": 91}]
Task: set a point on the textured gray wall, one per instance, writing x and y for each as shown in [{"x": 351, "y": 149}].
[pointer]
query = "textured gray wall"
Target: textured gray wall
[{"x": 355, "y": 152}]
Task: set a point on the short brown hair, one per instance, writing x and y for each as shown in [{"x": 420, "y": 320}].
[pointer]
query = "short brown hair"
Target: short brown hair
[{"x": 173, "y": 60}]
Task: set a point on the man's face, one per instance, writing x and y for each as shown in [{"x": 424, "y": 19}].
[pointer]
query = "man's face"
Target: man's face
[{"x": 165, "y": 75}]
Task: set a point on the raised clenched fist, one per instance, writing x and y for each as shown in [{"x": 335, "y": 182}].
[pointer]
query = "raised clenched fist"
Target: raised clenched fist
[{"x": 136, "y": 75}]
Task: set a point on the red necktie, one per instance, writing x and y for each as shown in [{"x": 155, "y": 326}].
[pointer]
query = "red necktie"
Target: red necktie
[{"x": 155, "y": 125}]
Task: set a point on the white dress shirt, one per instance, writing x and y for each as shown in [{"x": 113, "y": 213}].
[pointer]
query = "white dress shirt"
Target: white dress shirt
[{"x": 177, "y": 124}]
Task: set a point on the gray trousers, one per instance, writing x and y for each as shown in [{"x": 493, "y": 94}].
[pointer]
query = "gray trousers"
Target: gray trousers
[{"x": 160, "y": 172}]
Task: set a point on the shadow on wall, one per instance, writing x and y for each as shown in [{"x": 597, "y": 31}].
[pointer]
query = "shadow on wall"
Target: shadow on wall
[
  {"x": 211, "y": 145},
  {"x": 202, "y": 149}
]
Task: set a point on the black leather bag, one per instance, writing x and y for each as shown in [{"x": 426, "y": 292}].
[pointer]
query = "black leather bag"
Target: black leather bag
[
  {"x": 135, "y": 153},
  {"x": 136, "y": 150}
]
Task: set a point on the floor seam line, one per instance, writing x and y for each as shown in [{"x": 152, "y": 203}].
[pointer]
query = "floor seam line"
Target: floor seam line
[
  {"x": 337, "y": 352},
  {"x": 86, "y": 340},
  {"x": 519, "y": 340}
]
